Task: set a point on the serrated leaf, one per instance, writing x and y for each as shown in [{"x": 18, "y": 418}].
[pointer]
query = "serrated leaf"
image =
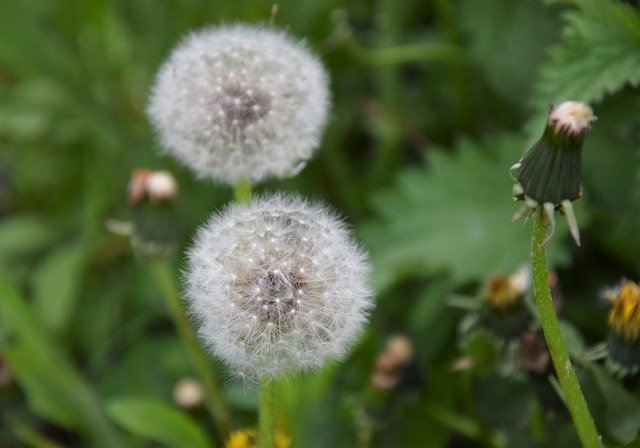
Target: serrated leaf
[
  {"x": 453, "y": 216},
  {"x": 56, "y": 283},
  {"x": 157, "y": 421},
  {"x": 599, "y": 54}
]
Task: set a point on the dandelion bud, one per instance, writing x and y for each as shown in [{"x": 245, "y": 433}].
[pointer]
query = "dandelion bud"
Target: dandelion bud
[
  {"x": 390, "y": 364},
  {"x": 240, "y": 103},
  {"x": 189, "y": 393},
  {"x": 623, "y": 343},
  {"x": 155, "y": 224},
  {"x": 507, "y": 316},
  {"x": 549, "y": 175},
  {"x": 279, "y": 286}
]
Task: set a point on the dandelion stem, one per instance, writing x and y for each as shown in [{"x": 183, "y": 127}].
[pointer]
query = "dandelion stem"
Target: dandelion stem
[
  {"x": 200, "y": 361},
  {"x": 268, "y": 391},
  {"x": 242, "y": 192},
  {"x": 582, "y": 419}
]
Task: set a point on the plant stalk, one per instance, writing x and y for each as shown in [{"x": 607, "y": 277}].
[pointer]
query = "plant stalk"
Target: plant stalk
[
  {"x": 199, "y": 360},
  {"x": 242, "y": 192},
  {"x": 268, "y": 392},
  {"x": 582, "y": 419}
]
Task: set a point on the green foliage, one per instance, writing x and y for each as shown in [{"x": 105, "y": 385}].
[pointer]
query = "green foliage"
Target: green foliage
[
  {"x": 157, "y": 421},
  {"x": 452, "y": 216},
  {"x": 56, "y": 285},
  {"x": 620, "y": 409},
  {"x": 54, "y": 389},
  {"x": 599, "y": 54},
  {"x": 433, "y": 102}
]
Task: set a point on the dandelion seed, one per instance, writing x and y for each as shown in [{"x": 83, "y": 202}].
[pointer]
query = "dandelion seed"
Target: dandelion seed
[
  {"x": 240, "y": 102},
  {"x": 318, "y": 326}
]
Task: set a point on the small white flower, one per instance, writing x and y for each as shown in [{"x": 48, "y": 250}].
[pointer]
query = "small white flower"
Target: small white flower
[
  {"x": 279, "y": 286},
  {"x": 240, "y": 102},
  {"x": 572, "y": 116}
]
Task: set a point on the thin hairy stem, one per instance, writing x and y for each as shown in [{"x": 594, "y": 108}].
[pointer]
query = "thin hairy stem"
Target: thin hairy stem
[
  {"x": 242, "y": 192},
  {"x": 199, "y": 359},
  {"x": 267, "y": 414},
  {"x": 582, "y": 419}
]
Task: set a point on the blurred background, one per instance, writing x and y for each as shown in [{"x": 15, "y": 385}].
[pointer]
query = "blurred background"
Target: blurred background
[{"x": 433, "y": 101}]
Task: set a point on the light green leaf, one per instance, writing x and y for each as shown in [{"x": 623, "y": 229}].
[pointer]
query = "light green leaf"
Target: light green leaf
[
  {"x": 56, "y": 283},
  {"x": 157, "y": 421},
  {"x": 453, "y": 216}
]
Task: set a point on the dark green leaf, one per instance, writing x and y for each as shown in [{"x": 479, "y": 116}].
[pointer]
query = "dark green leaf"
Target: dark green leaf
[
  {"x": 622, "y": 409},
  {"x": 453, "y": 215}
]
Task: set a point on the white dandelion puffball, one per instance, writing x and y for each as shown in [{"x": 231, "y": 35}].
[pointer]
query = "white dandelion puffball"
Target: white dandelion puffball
[
  {"x": 279, "y": 286},
  {"x": 240, "y": 102}
]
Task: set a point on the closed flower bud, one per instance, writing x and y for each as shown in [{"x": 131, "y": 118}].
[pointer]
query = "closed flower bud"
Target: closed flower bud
[
  {"x": 189, "y": 393},
  {"x": 279, "y": 286},
  {"x": 240, "y": 103},
  {"x": 549, "y": 174},
  {"x": 623, "y": 343},
  {"x": 391, "y": 363},
  {"x": 506, "y": 314},
  {"x": 155, "y": 222}
]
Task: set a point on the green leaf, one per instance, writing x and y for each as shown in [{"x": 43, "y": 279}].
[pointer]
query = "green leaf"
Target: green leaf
[
  {"x": 22, "y": 235},
  {"x": 483, "y": 349},
  {"x": 453, "y": 216},
  {"x": 612, "y": 187},
  {"x": 599, "y": 54},
  {"x": 573, "y": 338},
  {"x": 56, "y": 283},
  {"x": 500, "y": 40},
  {"x": 157, "y": 421},
  {"x": 53, "y": 387},
  {"x": 621, "y": 408}
]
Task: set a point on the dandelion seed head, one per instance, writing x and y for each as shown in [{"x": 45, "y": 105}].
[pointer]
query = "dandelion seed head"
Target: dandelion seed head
[
  {"x": 290, "y": 314},
  {"x": 240, "y": 102}
]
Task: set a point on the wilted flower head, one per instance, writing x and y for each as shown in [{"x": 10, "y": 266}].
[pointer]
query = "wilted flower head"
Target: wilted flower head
[
  {"x": 549, "y": 174},
  {"x": 504, "y": 292},
  {"x": 240, "y": 102},
  {"x": 623, "y": 343},
  {"x": 278, "y": 285}
]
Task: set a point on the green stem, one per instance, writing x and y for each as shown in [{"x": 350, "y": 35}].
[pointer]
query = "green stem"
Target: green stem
[
  {"x": 557, "y": 346},
  {"x": 200, "y": 361},
  {"x": 242, "y": 192},
  {"x": 267, "y": 413}
]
